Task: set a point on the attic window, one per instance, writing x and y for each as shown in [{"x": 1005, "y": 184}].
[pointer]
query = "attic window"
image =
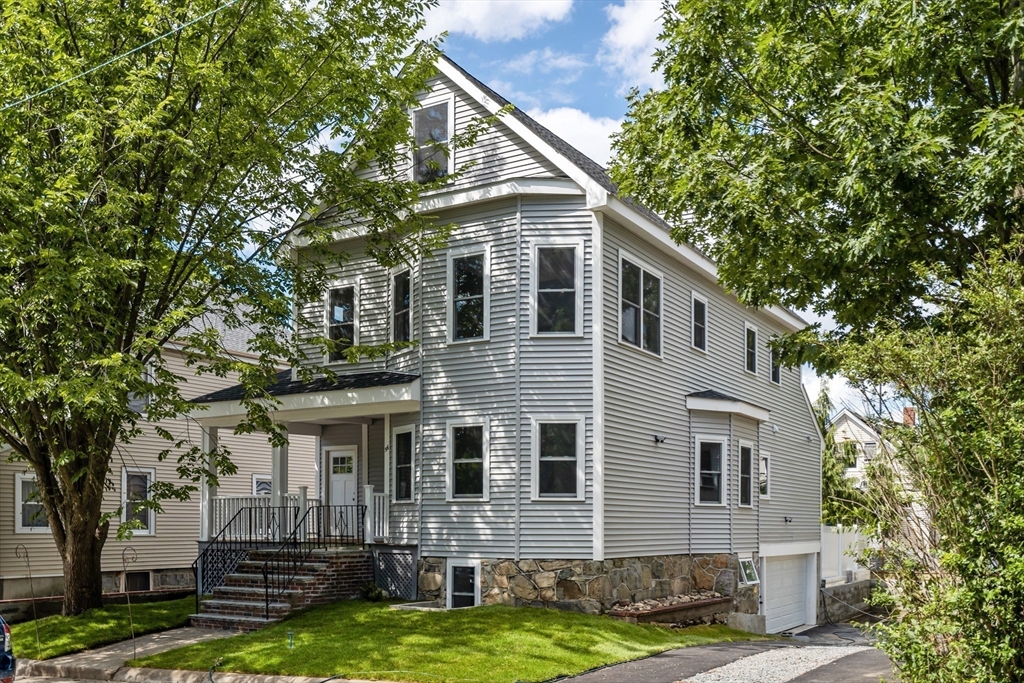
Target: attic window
[
  {"x": 431, "y": 132},
  {"x": 870, "y": 450}
]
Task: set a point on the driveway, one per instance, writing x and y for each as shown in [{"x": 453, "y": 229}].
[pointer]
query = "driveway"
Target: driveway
[{"x": 826, "y": 654}]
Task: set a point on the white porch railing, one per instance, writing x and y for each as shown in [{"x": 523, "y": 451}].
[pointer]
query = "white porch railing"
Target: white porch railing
[
  {"x": 262, "y": 519},
  {"x": 381, "y": 515}
]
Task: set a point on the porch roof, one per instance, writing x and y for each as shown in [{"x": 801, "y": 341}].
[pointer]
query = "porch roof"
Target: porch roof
[
  {"x": 318, "y": 401},
  {"x": 717, "y": 402}
]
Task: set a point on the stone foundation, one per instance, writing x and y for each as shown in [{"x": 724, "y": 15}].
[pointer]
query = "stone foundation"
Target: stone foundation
[{"x": 592, "y": 586}]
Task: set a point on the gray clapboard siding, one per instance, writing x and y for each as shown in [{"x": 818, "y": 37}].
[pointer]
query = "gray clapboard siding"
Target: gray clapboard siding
[
  {"x": 648, "y": 489},
  {"x": 711, "y": 525},
  {"x": 744, "y": 520}
]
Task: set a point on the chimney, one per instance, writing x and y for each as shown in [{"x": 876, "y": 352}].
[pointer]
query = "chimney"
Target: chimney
[{"x": 909, "y": 416}]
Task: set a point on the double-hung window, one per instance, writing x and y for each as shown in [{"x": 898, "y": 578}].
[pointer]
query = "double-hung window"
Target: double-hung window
[
  {"x": 750, "y": 348},
  {"x": 469, "y": 295},
  {"x": 467, "y": 460},
  {"x": 401, "y": 287},
  {"x": 30, "y": 517},
  {"x": 699, "y": 322},
  {"x": 776, "y": 367},
  {"x": 764, "y": 477},
  {"x": 262, "y": 485},
  {"x": 558, "y": 458},
  {"x": 557, "y": 289},
  {"x": 403, "y": 445},
  {"x": 746, "y": 475},
  {"x": 135, "y": 485},
  {"x": 640, "y": 306},
  {"x": 431, "y": 132},
  {"x": 710, "y": 471},
  {"x": 342, "y": 320}
]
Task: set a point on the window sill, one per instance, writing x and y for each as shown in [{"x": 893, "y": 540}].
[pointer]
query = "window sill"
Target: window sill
[
  {"x": 557, "y": 335},
  {"x": 764, "y": 497},
  {"x": 699, "y": 350},
  {"x": 640, "y": 349},
  {"x": 753, "y": 373},
  {"x": 485, "y": 499},
  {"x": 32, "y": 532},
  {"x": 710, "y": 505},
  {"x": 403, "y": 502},
  {"x": 552, "y": 499},
  {"x": 746, "y": 507},
  {"x": 474, "y": 340}
]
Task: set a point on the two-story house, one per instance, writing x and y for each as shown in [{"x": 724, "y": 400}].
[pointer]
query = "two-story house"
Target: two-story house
[{"x": 588, "y": 416}]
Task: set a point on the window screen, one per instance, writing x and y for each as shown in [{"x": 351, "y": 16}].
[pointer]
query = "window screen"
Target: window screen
[
  {"x": 710, "y": 472},
  {"x": 463, "y": 587},
  {"x": 557, "y": 462},
  {"x": 640, "y": 307},
  {"x": 746, "y": 475},
  {"x": 403, "y": 466},
  {"x": 33, "y": 516},
  {"x": 468, "y": 297},
  {"x": 468, "y": 461},
  {"x": 751, "y": 348},
  {"x": 341, "y": 320},
  {"x": 137, "y": 489},
  {"x": 431, "y": 131},
  {"x": 136, "y": 581},
  {"x": 556, "y": 290},
  {"x": 700, "y": 324}
]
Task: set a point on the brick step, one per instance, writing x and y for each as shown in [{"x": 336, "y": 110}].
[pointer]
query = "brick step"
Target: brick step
[
  {"x": 256, "y": 567},
  {"x": 256, "y": 580},
  {"x": 244, "y": 608},
  {"x": 230, "y": 623},
  {"x": 293, "y": 597}
]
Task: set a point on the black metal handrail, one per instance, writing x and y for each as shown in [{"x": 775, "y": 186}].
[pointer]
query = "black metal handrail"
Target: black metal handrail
[
  {"x": 249, "y": 528},
  {"x": 321, "y": 527}
]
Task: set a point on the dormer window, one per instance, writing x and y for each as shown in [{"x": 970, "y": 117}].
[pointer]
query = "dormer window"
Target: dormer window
[{"x": 431, "y": 131}]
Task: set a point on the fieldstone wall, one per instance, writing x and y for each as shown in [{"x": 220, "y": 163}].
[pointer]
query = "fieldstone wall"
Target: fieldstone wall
[
  {"x": 594, "y": 586},
  {"x": 173, "y": 578}
]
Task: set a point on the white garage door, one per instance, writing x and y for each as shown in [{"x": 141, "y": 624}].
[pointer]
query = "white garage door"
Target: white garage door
[{"x": 785, "y": 592}]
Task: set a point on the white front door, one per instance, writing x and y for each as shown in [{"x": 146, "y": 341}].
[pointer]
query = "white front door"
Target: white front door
[{"x": 342, "y": 463}]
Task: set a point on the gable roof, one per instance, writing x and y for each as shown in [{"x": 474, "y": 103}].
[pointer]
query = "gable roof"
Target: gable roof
[
  {"x": 602, "y": 193},
  {"x": 848, "y": 414}
]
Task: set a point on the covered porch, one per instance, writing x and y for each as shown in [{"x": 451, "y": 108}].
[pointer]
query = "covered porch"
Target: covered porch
[{"x": 352, "y": 421}]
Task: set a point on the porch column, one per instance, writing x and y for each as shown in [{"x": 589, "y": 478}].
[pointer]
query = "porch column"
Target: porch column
[
  {"x": 279, "y": 474},
  {"x": 369, "y": 524},
  {"x": 207, "y": 491}
]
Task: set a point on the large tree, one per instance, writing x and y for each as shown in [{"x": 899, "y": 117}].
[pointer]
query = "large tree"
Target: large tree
[
  {"x": 155, "y": 158},
  {"x": 835, "y": 155}
]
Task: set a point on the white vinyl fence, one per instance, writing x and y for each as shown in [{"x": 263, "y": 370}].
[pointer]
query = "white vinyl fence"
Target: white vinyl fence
[{"x": 839, "y": 549}]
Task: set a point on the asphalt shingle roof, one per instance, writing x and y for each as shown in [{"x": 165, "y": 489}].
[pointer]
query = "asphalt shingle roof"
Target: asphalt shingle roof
[{"x": 284, "y": 386}]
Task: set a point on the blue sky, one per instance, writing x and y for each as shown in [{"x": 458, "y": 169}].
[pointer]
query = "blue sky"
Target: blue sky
[{"x": 569, "y": 63}]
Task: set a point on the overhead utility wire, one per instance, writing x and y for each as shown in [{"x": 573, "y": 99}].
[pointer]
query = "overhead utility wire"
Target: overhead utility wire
[{"x": 117, "y": 58}]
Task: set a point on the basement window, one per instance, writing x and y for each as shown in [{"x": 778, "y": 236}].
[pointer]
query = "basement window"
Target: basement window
[
  {"x": 463, "y": 583},
  {"x": 135, "y": 582},
  {"x": 748, "y": 572}
]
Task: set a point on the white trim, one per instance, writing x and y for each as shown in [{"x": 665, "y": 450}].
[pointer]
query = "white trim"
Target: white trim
[
  {"x": 342, "y": 283},
  {"x": 715, "y": 405},
  {"x": 554, "y": 418},
  {"x": 18, "y": 503},
  {"x": 433, "y": 101},
  {"x": 789, "y": 548},
  {"x": 765, "y": 455},
  {"x": 451, "y": 563},
  {"x": 460, "y": 252},
  {"x": 341, "y": 403},
  {"x": 449, "y": 449},
  {"x": 445, "y": 199},
  {"x": 747, "y": 327},
  {"x": 394, "y": 272},
  {"x": 598, "y": 340},
  {"x": 540, "y": 243},
  {"x": 743, "y": 579},
  {"x": 723, "y": 461},
  {"x": 741, "y": 444},
  {"x": 695, "y": 296},
  {"x": 645, "y": 267},
  {"x": 265, "y": 477},
  {"x": 393, "y": 473},
  {"x": 151, "y": 474}
]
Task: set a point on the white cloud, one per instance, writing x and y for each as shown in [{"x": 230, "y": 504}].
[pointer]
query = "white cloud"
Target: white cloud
[
  {"x": 494, "y": 20},
  {"x": 627, "y": 49},
  {"x": 546, "y": 61},
  {"x": 588, "y": 134}
]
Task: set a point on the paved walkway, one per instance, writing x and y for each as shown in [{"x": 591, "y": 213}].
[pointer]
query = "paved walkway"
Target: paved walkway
[{"x": 838, "y": 654}]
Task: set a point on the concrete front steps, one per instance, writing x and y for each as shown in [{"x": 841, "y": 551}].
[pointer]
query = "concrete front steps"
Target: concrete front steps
[{"x": 325, "y": 576}]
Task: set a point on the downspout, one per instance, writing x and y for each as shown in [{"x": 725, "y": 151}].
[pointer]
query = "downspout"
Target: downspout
[{"x": 518, "y": 356}]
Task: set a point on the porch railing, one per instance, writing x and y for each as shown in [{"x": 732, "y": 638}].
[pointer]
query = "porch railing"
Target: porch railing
[
  {"x": 261, "y": 521},
  {"x": 381, "y": 515}
]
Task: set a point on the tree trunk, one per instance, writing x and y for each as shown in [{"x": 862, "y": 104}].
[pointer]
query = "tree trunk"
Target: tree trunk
[{"x": 83, "y": 575}]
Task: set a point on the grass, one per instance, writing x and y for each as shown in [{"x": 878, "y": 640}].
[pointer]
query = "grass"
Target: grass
[
  {"x": 64, "y": 635},
  {"x": 500, "y": 644}
]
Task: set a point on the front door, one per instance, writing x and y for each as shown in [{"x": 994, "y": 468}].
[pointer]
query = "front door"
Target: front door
[{"x": 343, "y": 476}]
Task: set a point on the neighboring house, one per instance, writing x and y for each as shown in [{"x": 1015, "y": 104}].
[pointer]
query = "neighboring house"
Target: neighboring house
[
  {"x": 166, "y": 546},
  {"x": 588, "y": 416},
  {"x": 857, "y": 443}
]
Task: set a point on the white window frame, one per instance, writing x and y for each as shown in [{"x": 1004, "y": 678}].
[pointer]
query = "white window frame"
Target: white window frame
[
  {"x": 355, "y": 283},
  {"x": 450, "y": 576},
  {"x": 18, "y": 503},
  {"x": 646, "y": 268},
  {"x": 747, "y": 327},
  {"x": 404, "y": 429},
  {"x": 724, "y": 464},
  {"x": 431, "y": 101},
  {"x": 460, "y": 252},
  {"x": 772, "y": 360},
  {"x": 261, "y": 477},
  {"x": 764, "y": 458},
  {"x": 694, "y": 296},
  {"x": 449, "y": 447},
  {"x": 542, "y": 243},
  {"x": 581, "y": 425},
  {"x": 753, "y": 566},
  {"x": 151, "y": 473},
  {"x": 398, "y": 270},
  {"x": 739, "y": 472}
]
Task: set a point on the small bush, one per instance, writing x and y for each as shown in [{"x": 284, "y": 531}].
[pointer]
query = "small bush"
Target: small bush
[{"x": 371, "y": 592}]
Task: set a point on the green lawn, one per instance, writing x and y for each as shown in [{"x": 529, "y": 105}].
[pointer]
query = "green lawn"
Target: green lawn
[
  {"x": 63, "y": 635},
  {"x": 501, "y": 644}
]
